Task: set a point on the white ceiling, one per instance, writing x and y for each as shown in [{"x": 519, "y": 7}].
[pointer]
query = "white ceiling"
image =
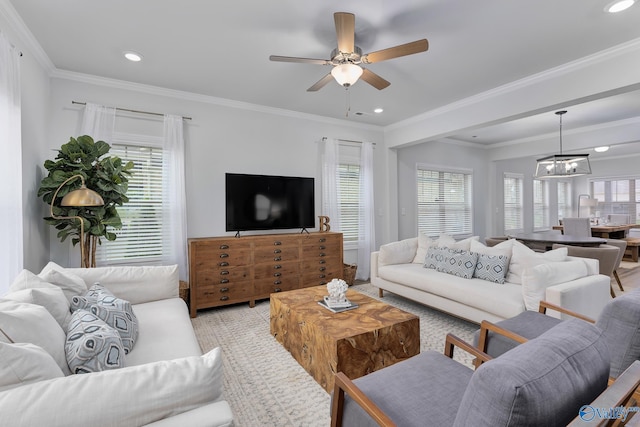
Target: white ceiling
[{"x": 222, "y": 49}]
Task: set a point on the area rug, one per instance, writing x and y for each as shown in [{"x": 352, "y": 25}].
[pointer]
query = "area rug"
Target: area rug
[{"x": 265, "y": 386}]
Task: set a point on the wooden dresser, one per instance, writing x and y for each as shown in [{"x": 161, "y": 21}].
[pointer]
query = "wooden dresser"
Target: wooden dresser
[{"x": 229, "y": 270}]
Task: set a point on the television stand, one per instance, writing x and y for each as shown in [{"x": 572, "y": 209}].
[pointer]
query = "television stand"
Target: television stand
[
  {"x": 229, "y": 270},
  {"x": 304, "y": 230}
]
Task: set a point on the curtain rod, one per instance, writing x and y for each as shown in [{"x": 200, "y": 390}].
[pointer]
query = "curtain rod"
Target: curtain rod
[
  {"x": 132, "y": 111},
  {"x": 324, "y": 138}
]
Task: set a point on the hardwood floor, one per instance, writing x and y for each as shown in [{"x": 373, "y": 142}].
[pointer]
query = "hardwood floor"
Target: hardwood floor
[{"x": 630, "y": 277}]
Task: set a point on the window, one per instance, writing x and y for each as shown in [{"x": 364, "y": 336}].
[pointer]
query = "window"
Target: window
[
  {"x": 564, "y": 200},
  {"x": 513, "y": 202},
  {"x": 349, "y": 200},
  {"x": 540, "y": 204},
  {"x": 617, "y": 196},
  {"x": 444, "y": 201},
  {"x": 141, "y": 238}
]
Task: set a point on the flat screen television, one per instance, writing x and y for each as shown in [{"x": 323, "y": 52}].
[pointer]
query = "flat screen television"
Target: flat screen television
[{"x": 266, "y": 202}]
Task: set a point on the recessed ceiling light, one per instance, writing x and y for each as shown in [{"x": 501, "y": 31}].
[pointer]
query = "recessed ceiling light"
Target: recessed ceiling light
[
  {"x": 601, "y": 149},
  {"x": 133, "y": 56},
  {"x": 619, "y": 6},
  {"x": 378, "y": 110}
]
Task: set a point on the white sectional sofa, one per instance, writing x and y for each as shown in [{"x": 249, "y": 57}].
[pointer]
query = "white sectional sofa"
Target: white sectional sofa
[
  {"x": 165, "y": 379},
  {"x": 527, "y": 277}
]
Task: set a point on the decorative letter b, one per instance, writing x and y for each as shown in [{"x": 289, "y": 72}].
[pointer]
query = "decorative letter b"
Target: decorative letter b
[{"x": 324, "y": 223}]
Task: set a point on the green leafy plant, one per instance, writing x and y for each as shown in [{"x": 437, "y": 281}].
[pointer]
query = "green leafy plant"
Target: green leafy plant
[{"x": 106, "y": 175}]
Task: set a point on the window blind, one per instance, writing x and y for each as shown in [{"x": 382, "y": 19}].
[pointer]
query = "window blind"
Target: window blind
[
  {"x": 513, "y": 202},
  {"x": 618, "y": 196},
  {"x": 140, "y": 239},
  {"x": 540, "y": 204},
  {"x": 564, "y": 199},
  {"x": 349, "y": 200},
  {"x": 444, "y": 202}
]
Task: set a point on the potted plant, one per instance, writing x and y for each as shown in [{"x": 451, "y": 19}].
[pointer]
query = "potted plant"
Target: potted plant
[{"x": 106, "y": 175}]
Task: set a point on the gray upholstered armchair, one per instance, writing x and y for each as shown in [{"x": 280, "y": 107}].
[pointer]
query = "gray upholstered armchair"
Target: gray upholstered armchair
[{"x": 570, "y": 360}]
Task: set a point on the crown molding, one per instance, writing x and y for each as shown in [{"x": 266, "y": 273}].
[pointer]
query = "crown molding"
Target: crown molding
[
  {"x": 25, "y": 37},
  {"x": 587, "y": 61}
]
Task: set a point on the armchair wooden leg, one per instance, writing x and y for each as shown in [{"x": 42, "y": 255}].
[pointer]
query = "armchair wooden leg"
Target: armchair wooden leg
[
  {"x": 615, "y": 274},
  {"x": 613, "y": 294}
]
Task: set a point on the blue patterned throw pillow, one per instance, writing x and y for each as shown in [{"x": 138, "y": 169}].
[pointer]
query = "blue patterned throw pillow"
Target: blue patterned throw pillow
[
  {"x": 492, "y": 268},
  {"x": 92, "y": 345},
  {"x": 458, "y": 262}
]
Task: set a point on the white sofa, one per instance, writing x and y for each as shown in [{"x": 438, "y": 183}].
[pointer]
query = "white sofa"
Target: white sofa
[
  {"x": 528, "y": 276},
  {"x": 166, "y": 380}
]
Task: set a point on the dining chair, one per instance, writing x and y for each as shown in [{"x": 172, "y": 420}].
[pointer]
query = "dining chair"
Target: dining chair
[
  {"x": 618, "y": 219},
  {"x": 622, "y": 246},
  {"x": 577, "y": 227}
]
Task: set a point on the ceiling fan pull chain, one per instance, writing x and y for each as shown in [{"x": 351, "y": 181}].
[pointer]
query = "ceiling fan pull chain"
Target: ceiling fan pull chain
[{"x": 348, "y": 102}]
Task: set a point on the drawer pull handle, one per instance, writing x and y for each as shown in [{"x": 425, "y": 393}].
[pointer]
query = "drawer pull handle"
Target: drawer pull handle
[
  {"x": 277, "y": 243},
  {"x": 277, "y": 251},
  {"x": 224, "y": 255},
  {"x": 208, "y": 293},
  {"x": 223, "y": 281},
  {"x": 277, "y": 274},
  {"x": 322, "y": 248},
  {"x": 224, "y": 264},
  {"x": 323, "y": 268},
  {"x": 322, "y": 261},
  {"x": 323, "y": 282},
  {"x": 224, "y": 290},
  {"x": 277, "y": 282},
  {"x": 224, "y": 246},
  {"x": 224, "y": 298},
  {"x": 322, "y": 241},
  {"x": 277, "y": 266},
  {"x": 278, "y": 258},
  {"x": 322, "y": 254},
  {"x": 322, "y": 276},
  {"x": 277, "y": 290},
  {"x": 224, "y": 272}
]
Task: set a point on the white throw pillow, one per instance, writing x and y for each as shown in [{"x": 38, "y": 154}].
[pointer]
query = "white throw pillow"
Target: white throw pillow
[
  {"x": 402, "y": 252},
  {"x": 424, "y": 243},
  {"x": 24, "y": 363},
  {"x": 135, "y": 395},
  {"x": 523, "y": 257},
  {"x": 502, "y": 248},
  {"x": 30, "y": 323},
  {"x": 70, "y": 284},
  {"x": 536, "y": 279},
  {"x": 27, "y": 280},
  {"x": 53, "y": 299}
]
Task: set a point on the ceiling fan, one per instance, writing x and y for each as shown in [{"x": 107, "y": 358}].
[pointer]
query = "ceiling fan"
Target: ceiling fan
[{"x": 347, "y": 58}]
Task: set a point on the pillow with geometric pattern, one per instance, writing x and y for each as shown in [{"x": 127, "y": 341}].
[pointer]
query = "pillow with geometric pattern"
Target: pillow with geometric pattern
[
  {"x": 492, "y": 268},
  {"x": 116, "y": 312},
  {"x": 92, "y": 345}
]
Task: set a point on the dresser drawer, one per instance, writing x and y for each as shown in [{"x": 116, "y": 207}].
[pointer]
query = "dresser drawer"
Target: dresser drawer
[
  {"x": 223, "y": 257},
  {"x": 276, "y": 241},
  {"x": 273, "y": 254},
  {"x": 216, "y": 275},
  {"x": 276, "y": 270},
  {"x": 264, "y": 287},
  {"x": 208, "y": 296}
]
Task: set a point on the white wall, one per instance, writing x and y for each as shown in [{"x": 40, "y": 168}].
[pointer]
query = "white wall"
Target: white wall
[
  {"x": 221, "y": 138},
  {"x": 445, "y": 155}
]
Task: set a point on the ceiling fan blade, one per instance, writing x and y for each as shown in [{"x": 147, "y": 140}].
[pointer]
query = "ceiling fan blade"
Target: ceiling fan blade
[
  {"x": 373, "y": 79},
  {"x": 345, "y": 30},
  {"x": 301, "y": 60},
  {"x": 321, "y": 83},
  {"x": 396, "y": 51}
]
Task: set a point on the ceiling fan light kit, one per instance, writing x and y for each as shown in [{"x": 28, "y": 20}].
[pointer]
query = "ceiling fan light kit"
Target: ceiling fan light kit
[
  {"x": 347, "y": 57},
  {"x": 562, "y": 165}
]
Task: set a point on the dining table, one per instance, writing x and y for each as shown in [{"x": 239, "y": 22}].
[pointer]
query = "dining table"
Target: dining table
[
  {"x": 544, "y": 241},
  {"x": 607, "y": 231}
]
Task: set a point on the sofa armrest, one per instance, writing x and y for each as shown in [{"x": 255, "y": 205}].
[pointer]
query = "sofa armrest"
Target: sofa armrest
[
  {"x": 587, "y": 295},
  {"x": 374, "y": 264},
  {"x": 593, "y": 265},
  {"x": 136, "y": 284},
  {"x": 217, "y": 414}
]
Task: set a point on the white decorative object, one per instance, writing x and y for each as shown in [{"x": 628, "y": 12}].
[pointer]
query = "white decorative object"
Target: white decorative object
[{"x": 337, "y": 289}]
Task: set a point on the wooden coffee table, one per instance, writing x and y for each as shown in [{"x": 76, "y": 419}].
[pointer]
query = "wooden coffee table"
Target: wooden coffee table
[{"x": 356, "y": 342}]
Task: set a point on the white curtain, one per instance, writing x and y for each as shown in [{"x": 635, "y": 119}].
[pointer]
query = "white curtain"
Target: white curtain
[
  {"x": 330, "y": 187},
  {"x": 174, "y": 220},
  {"x": 98, "y": 122},
  {"x": 11, "y": 248},
  {"x": 366, "y": 224}
]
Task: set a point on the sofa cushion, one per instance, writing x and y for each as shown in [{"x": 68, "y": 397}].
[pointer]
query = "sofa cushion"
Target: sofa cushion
[
  {"x": 157, "y": 320},
  {"x": 502, "y": 300},
  {"x": 92, "y": 345},
  {"x": 491, "y": 267},
  {"x": 131, "y": 283},
  {"x": 116, "y": 312},
  {"x": 424, "y": 243},
  {"x": 458, "y": 262},
  {"x": 535, "y": 280},
  {"x": 130, "y": 396},
  {"x": 544, "y": 381},
  {"x": 620, "y": 319},
  {"x": 502, "y": 248},
  {"x": 24, "y": 363},
  {"x": 70, "y": 283},
  {"x": 401, "y": 252},
  {"x": 52, "y": 298},
  {"x": 523, "y": 257},
  {"x": 30, "y": 323}
]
